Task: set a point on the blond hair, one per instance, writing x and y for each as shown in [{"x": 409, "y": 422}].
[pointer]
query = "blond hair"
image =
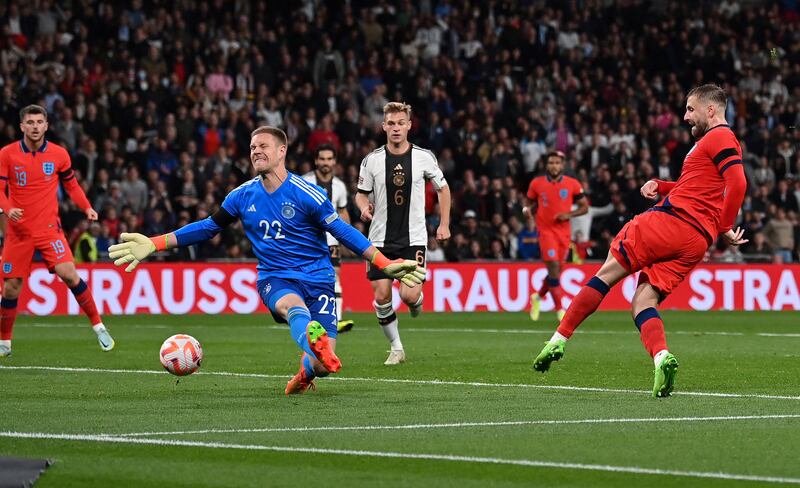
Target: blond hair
[
  {"x": 397, "y": 107},
  {"x": 275, "y": 132},
  {"x": 710, "y": 93}
]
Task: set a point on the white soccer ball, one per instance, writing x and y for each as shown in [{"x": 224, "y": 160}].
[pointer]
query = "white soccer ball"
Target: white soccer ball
[{"x": 181, "y": 354}]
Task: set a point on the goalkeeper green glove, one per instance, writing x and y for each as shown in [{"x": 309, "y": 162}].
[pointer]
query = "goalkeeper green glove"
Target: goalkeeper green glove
[
  {"x": 406, "y": 270},
  {"x": 134, "y": 249}
]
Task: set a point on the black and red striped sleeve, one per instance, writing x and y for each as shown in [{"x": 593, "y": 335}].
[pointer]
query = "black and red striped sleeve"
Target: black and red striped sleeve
[
  {"x": 725, "y": 151},
  {"x": 728, "y": 160},
  {"x": 4, "y": 164}
]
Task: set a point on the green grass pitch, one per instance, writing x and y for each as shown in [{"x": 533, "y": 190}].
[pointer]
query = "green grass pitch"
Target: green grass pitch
[{"x": 466, "y": 410}]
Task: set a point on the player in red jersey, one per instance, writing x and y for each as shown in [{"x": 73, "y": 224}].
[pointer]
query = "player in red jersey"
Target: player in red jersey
[
  {"x": 30, "y": 169},
  {"x": 551, "y": 197},
  {"x": 668, "y": 240}
]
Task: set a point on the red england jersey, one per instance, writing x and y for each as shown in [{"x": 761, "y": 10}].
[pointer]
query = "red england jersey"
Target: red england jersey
[
  {"x": 32, "y": 180},
  {"x": 710, "y": 190},
  {"x": 553, "y": 197}
]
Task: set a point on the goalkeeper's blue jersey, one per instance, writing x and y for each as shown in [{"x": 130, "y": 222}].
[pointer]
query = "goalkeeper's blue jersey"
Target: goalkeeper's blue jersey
[{"x": 286, "y": 228}]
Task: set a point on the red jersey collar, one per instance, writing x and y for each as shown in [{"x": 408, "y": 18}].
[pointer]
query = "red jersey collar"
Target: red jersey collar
[
  {"x": 26, "y": 150},
  {"x": 561, "y": 177}
]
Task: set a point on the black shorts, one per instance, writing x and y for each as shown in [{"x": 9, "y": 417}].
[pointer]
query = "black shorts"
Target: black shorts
[
  {"x": 336, "y": 257},
  {"x": 416, "y": 253}
]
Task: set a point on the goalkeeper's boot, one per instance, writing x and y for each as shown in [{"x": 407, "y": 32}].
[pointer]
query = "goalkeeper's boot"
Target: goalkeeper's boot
[
  {"x": 396, "y": 356},
  {"x": 665, "y": 376},
  {"x": 552, "y": 351},
  {"x": 345, "y": 326},
  {"x": 300, "y": 383},
  {"x": 5, "y": 351},
  {"x": 560, "y": 314},
  {"x": 105, "y": 340},
  {"x": 318, "y": 340},
  {"x": 536, "y": 305}
]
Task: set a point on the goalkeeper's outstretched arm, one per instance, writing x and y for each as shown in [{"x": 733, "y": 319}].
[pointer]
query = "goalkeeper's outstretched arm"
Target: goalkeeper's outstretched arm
[
  {"x": 136, "y": 247},
  {"x": 406, "y": 270}
]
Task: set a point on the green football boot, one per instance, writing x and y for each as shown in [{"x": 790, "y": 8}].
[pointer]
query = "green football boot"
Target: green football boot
[
  {"x": 665, "y": 376},
  {"x": 553, "y": 351}
]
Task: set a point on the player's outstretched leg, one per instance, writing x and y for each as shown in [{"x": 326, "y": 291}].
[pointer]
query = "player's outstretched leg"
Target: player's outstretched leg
[
  {"x": 311, "y": 337},
  {"x": 84, "y": 298},
  {"x": 651, "y": 330},
  {"x": 318, "y": 340},
  {"x": 584, "y": 304},
  {"x": 303, "y": 380},
  {"x": 8, "y": 314}
]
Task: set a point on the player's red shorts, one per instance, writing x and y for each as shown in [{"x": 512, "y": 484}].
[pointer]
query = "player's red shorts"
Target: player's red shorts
[
  {"x": 18, "y": 252},
  {"x": 553, "y": 245},
  {"x": 663, "y": 246}
]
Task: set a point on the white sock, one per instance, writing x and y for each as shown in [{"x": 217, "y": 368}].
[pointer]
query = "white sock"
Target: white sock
[
  {"x": 418, "y": 302},
  {"x": 339, "y": 309},
  {"x": 6, "y": 343},
  {"x": 660, "y": 356},
  {"x": 98, "y": 328},
  {"x": 558, "y": 337},
  {"x": 393, "y": 335},
  {"x": 338, "y": 291},
  {"x": 384, "y": 312}
]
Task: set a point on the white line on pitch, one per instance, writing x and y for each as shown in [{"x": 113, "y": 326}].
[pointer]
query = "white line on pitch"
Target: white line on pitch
[
  {"x": 411, "y": 382},
  {"x": 550, "y": 331},
  {"x": 462, "y": 425},
  {"x": 408, "y": 455},
  {"x": 46, "y": 325}
]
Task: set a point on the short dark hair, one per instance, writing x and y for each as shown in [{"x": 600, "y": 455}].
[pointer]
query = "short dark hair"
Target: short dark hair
[
  {"x": 275, "y": 132},
  {"x": 32, "y": 110},
  {"x": 324, "y": 147},
  {"x": 556, "y": 154},
  {"x": 710, "y": 93}
]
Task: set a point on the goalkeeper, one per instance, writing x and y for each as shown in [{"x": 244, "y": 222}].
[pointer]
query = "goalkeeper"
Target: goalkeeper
[{"x": 285, "y": 218}]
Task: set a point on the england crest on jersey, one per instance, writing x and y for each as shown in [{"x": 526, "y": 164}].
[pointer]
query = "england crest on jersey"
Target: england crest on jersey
[
  {"x": 563, "y": 193},
  {"x": 48, "y": 168}
]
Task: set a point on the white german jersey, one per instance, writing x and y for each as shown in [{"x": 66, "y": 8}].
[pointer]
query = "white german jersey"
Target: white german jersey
[
  {"x": 337, "y": 194},
  {"x": 396, "y": 184}
]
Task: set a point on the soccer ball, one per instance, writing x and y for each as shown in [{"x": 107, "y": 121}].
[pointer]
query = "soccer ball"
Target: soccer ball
[{"x": 181, "y": 354}]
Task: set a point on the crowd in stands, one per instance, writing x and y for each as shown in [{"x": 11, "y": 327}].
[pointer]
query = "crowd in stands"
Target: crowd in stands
[{"x": 155, "y": 100}]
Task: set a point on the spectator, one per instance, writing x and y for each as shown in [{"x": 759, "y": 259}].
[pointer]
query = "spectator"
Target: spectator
[
  {"x": 779, "y": 233},
  {"x": 134, "y": 190}
]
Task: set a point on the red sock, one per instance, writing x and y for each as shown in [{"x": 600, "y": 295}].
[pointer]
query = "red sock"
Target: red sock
[
  {"x": 583, "y": 305},
  {"x": 544, "y": 289},
  {"x": 651, "y": 329},
  {"x": 8, "y": 314},
  {"x": 557, "y": 293},
  {"x": 84, "y": 297}
]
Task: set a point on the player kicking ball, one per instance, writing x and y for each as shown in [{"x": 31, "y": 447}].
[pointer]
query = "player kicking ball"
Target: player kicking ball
[
  {"x": 666, "y": 242},
  {"x": 31, "y": 170},
  {"x": 551, "y": 197},
  {"x": 285, "y": 218}
]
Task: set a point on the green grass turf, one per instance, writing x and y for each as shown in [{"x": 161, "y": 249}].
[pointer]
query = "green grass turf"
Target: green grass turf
[{"x": 492, "y": 349}]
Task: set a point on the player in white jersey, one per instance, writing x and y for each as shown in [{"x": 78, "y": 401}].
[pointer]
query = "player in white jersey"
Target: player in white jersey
[
  {"x": 391, "y": 195},
  {"x": 322, "y": 176}
]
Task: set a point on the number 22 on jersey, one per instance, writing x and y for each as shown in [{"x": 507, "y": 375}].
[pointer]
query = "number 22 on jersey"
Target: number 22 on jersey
[{"x": 275, "y": 225}]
